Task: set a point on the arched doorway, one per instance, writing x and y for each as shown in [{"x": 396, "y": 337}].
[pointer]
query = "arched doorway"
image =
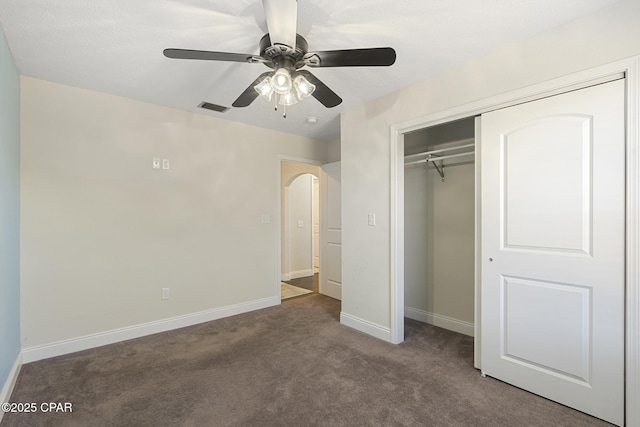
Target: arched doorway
[{"x": 300, "y": 227}]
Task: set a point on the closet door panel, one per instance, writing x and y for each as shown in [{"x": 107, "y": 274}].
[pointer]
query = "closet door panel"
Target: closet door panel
[
  {"x": 551, "y": 212},
  {"x": 553, "y": 242}
]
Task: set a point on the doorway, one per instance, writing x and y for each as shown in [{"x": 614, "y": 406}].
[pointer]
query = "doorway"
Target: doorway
[{"x": 300, "y": 228}]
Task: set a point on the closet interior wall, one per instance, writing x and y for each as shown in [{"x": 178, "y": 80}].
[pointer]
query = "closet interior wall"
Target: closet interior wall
[{"x": 439, "y": 230}]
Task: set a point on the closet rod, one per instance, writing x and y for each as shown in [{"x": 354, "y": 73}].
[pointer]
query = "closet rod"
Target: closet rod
[
  {"x": 427, "y": 153},
  {"x": 435, "y": 159}
]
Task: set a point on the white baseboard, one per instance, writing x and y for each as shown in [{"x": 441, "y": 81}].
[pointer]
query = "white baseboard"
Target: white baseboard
[
  {"x": 285, "y": 277},
  {"x": 10, "y": 383},
  {"x": 301, "y": 273},
  {"x": 365, "y": 326},
  {"x": 59, "y": 348},
  {"x": 444, "y": 322}
]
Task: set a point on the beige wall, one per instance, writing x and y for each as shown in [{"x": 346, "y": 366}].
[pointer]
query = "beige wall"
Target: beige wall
[
  {"x": 608, "y": 35},
  {"x": 333, "y": 151},
  {"x": 102, "y": 232}
]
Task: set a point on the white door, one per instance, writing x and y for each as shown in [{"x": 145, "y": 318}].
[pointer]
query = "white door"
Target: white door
[
  {"x": 553, "y": 183},
  {"x": 331, "y": 257}
]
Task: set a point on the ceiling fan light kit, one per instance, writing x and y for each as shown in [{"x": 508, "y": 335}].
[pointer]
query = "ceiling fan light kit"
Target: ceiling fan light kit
[
  {"x": 286, "y": 52},
  {"x": 286, "y": 91},
  {"x": 265, "y": 88},
  {"x": 288, "y": 99},
  {"x": 281, "y": 81},
  {"x": 304, "y": 88}
]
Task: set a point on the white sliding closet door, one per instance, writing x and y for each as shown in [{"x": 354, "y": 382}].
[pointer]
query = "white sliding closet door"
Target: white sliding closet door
[{"x": 553, "y": 203}]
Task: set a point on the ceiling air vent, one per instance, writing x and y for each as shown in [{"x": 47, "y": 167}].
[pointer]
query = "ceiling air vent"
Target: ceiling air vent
[{"x": 213, "y": 107}]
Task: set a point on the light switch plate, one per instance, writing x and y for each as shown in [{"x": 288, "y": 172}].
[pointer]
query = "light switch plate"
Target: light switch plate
[
  {"x": 155, "y": 163},
  {"x": 372, "y": 219},
  {"x": 165, "y": 164}
]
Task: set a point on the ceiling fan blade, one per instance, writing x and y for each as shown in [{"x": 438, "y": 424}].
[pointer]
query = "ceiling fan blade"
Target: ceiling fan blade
[
  {"x": 249, "y": 95},
  {"x": 372, "y": 57},
  {"x": 282, "y": 21},
  {"x": 211, "y": 56},
  {"x": 326, "y": 96}
]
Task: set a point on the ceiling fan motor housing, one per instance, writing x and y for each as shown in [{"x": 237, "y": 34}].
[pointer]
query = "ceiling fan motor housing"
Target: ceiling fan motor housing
[{"x": 283, "y": 56}]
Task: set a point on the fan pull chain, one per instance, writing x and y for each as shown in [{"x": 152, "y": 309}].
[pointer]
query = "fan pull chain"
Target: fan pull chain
[{"x": 275, "y": 105}]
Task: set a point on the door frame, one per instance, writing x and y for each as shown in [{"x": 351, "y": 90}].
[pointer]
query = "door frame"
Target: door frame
[{"x": 630, "y": 68}]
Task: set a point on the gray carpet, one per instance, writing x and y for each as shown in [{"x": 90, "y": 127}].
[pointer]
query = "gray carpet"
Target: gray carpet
[{"x": 291, "y": 365}]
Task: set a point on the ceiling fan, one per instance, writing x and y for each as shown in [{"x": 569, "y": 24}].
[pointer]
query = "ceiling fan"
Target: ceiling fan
[{"x": 286, "y": 53}]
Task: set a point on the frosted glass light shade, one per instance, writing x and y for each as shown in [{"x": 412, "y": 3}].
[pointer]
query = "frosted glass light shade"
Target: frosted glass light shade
[
  {"x": 303, "y": 87},
  {"x": 281, "y": 81},
  {"x": 264, "y": 88},
  {"x": 288, "y": 98}
]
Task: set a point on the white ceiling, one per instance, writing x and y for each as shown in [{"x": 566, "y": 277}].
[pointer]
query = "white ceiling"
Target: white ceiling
[{"x": 115, "y": 46}]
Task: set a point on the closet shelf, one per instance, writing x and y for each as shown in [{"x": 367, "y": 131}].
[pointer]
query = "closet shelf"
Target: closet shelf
[
  {"x": 432, "y": 158},
  {"x": 441, "y": 150},
  {"x": 429, "y": 157}
]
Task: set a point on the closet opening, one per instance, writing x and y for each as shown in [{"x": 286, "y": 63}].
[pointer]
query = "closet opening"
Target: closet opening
[{"x": 440, "y": 225}]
